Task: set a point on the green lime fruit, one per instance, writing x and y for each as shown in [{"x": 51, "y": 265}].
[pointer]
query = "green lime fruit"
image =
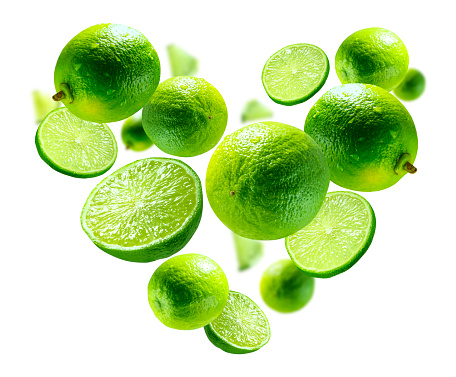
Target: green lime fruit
[
  {"x": 373, "y": 56},
  {"x": 336, "y": 239},
  {"x": 255, "y": 110},
  {"x": 286, "y": 288},
  {"x": 188, "y": 291},
  {"x": 146, "y": 210},
  {"x": 295, "y": 73},
  {"x": 248, "y": 252},
  {"x": 43, "y": 104},
  {"x": 412, "y": 86},
  {"x": 181, "y": 62},
  {"x": 133, "y": 135},
  {"x": 241, "y": 328},
  {"x": 367, "y": 135},
  {"x": 185, "y": 117},
  {"x": 267, "y": 180},
  {"x": 75, "y": 147},
  {"x": 106, "y": 73}
]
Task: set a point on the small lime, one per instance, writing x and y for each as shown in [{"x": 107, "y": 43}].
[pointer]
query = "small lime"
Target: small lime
[
  {"x": 181, "y": 62},
  {"x": 255, "y": 110},
  {"x": 133, "y": 134},
  {"x": 412, "y": 86},
  {"x": 248, "y": 252}
]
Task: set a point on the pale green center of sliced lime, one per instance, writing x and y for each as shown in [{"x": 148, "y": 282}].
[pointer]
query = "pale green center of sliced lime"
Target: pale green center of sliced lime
[
  {"x": 75, "y": 144},
  {"x": 143, "y": 203},
  {"x": 334, "y": 236},
  {"x": 241, "y": 323},
  {"x": 295, "y": 71}
]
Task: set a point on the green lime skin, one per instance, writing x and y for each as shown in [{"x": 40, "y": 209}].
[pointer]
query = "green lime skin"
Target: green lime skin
[
  {"x": 133, "y": 135},
  {"x": 373, "y": 56},
  {"x": 285, "y": 288},
  {"x": 412, "y": 86},
  {"x": 106, "y": 73},
  {"x": 188, "y": 291},
  {"x": 367, "y": 135},
  {"x": 185, "y": 117},
  {"x": 267, "y": 180}
]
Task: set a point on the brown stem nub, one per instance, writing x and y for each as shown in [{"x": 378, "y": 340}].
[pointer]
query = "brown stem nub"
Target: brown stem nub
[
  {"x": 232, "y": 193},
  {"x": 58, "y": 96},
  {"x": 409, "y": 168}
]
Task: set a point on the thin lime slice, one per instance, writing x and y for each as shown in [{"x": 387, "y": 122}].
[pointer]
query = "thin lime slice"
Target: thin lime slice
[
  {"x": 75, "y": 147},
  {"x": 336, "y": 238},
  {"x": 182, "y": 63},
  {"x": 145, "y": 211},
  {"x": 254, "y": 110},
  {"x": 295, "y": 73},
  {"x": 241, "y": 328},
  {"x": 248, "y": 251}
]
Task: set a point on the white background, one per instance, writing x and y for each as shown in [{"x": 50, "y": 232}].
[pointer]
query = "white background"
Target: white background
[{"x": 68, "y": 309}]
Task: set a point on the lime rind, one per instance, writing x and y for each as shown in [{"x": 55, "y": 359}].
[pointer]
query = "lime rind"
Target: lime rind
[
  {"x": 75, "y": 147},
  {"x": 139, "y": 224},
  {"x": 242, "y": 327},
  {"x": 336, "y": 238},
  {"x": 295, "y": 73},
  {"x": 248, "y": 251}
]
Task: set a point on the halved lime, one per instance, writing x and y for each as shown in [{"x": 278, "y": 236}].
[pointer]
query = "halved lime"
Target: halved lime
[
  {"x": 181, "y": 62},
  {"x": 248, "y": 251},
  {"x": 295, "y": 73},
  {"x": 241, "y": 328},
  {"x": 255, "y": 110},
  {"x": 146, "y": 210},
  {"x": 336, "y": 238},
  {"x": 75, "y": 147}
]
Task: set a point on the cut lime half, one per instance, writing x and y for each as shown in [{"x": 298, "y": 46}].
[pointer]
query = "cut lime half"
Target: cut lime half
[
  {"x": 145, "y": 211},
  {"x": 295, "y": 73},
  {"x": 336, "y": 238},
  {"x": 248, "y": 251},
  {"x": 75, "y": 147},
  {"x": 241, "y": 328}
]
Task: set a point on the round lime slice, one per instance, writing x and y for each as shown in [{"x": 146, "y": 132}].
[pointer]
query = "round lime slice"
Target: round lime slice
[
  {"x": 295, "y": 73},
  {"x": 145, "y": 211},
  {"x": 75, "y": 147},
  {"x": 336, "y": 238},
  {"x": 241, "y": 328}
]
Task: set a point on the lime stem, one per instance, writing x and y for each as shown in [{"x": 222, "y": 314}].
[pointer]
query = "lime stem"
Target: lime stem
[
  {"x": 59, "y": 96},
  {"x": 232, "y": 193},
  {"x": 409, "y": 168}
]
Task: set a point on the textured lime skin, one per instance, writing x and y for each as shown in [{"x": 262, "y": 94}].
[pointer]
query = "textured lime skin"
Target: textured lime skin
[
  {"x": 336, "y": 270},
  {"x": 222, "y": 343},
  {"x": 188, "y": 291},
  {"x": 109, "y": 72},
  {"x": 363, "y": 131},
  {"x": 412, "y": 86},
  {"x": 185, "y": 117},
  {"x": 157, "y": 249},
  {"x": 372, "y": 56},
  {"x": 133, "y": 135},
  {"x": 286, "y": 288},
  {"x": 267, "y": 180}
]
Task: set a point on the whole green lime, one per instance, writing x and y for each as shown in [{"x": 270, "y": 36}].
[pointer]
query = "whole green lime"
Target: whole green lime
[
  {"x": 372, "y": 56},
  {"x": 286, "y": 288},
  {"x": 188, "y": 291},
  {"x": 367, "y": 135},
  {"x": 185, "y": 117},
  {"x": 412, "y": 86},
  {"x": 267, "y": 180},
  {"x": 133, "y": 134},
  {"x": 106, "y": 73}
]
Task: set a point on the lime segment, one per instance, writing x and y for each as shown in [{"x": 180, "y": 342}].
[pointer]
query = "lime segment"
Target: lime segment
[
  {"x": 295, "y": 73},
  {"x": 145, "y": 211},
  {"x": 241, "y": 328},
  {"x": 336, "y": 238},
  {"x": 74, "y": 146},
  {"x": 248, "y": 251}
]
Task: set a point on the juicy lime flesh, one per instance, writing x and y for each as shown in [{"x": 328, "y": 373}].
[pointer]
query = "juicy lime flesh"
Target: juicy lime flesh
[
  {"x": 295, "y": 72},
  {"x": 241, "y": 323},
  {"x": 335, "y": 236},
  {"x": 144, "y": 203},
  {"x": 76, "y": 145}
]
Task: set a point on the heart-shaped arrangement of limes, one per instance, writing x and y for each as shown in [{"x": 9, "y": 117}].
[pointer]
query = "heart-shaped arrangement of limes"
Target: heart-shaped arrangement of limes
[{"x": 265, "y": 181}]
